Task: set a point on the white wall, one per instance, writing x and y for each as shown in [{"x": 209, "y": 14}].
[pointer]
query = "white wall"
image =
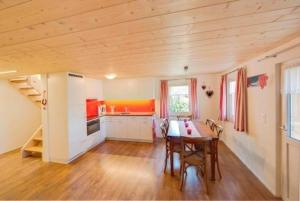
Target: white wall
[
  {"x": 94, "y": 89},
  {"x": 19, "y": 118},
  {"x": 259, "y": 148},
  {"x": 138, "y": 88},
  {"x": 208, "y": 107}
]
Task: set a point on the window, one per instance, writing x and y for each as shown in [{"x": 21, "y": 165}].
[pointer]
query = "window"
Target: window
[
  {"x": 294, "y": 116},
  {"x": 292, "y": 90},
  {"x": 231, "y": 85},
  {"x": 179, "y": 99}
]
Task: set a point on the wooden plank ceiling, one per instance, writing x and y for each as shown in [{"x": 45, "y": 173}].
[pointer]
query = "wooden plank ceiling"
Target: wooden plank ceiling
[{"x": 140, "y": 37}]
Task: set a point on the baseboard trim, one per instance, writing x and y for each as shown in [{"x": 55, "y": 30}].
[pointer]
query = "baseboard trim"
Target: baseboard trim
[{"x": 128, "y": 140}]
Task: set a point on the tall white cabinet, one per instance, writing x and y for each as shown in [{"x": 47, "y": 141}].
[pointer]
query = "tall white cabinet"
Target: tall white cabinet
[{"x": 66, "y": 116}]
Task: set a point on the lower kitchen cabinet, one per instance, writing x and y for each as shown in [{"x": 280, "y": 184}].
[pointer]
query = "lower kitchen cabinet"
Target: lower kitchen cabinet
[{"x": 128, "y": 128}]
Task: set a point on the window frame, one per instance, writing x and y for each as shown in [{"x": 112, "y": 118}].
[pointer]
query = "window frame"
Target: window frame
[
  {"x": 174, "y": 84},
  {"x": 230, "y": 100},
  {"x": 289, "y": 117}
]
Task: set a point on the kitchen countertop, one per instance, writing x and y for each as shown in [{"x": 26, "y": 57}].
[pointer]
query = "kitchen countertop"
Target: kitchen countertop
[{"x": 128, "y": 114}]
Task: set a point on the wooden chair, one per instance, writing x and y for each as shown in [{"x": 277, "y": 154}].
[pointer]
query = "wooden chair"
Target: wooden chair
[
  {"x": 193, "y": 157},
  {"x": 219, "y": 130},
  {"x": 166, "y": 123},
  {"x": 211, "y": 123},
  {"x": 164, "y": 127}
]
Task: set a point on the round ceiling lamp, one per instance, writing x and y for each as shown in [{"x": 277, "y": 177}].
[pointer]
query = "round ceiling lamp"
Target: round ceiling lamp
[{"x": 110, "y": 76}]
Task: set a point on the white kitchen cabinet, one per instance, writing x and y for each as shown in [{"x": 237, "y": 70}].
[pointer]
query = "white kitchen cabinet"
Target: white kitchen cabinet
[
  {"x": 66, "y": 117},
  {"x": 145, "y": 128},
  {"x": 132, "y": 124},
  {"x": 103, "y": 126},
  {"x": 129, "y": 128}
]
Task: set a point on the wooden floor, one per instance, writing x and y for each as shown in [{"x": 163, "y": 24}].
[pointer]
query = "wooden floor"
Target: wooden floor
[{"x": 122, "y": 170}]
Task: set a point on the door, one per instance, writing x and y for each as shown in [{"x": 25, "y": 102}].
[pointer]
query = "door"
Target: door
[{"x": 290, "y": 105}]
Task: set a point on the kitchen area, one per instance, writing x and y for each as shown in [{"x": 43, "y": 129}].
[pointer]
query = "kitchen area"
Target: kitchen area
[
  {"x": 123, "y": 120},
  {"x": 83, "y": 112}
]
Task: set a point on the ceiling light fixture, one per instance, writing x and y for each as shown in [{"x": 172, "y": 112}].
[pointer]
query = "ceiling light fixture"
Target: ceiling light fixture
[
  {"x": 7, "y": 72},
  {"x": 111, "y": 76}
]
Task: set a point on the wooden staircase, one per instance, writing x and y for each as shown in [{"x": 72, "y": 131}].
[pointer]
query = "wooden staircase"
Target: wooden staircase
[
  {"x": 23, "y": 84},
  {"x": 30, "y": 86},
  {"x": 34, "y": 146}
]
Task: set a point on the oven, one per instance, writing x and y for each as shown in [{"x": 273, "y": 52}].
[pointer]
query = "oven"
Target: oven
[
  {"x": 93, "y": 125},
  {"x": 93, "y": 122}
]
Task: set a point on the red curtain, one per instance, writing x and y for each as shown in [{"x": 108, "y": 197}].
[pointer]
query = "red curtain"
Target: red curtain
[
  {"x": 194, "y": 100},
  {"x": 164, "y": 113},
  {"x": 223, "y": 99},
  {"x": 240, "y": 123}
]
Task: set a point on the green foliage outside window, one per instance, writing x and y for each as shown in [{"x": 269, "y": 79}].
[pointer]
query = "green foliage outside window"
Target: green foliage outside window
[{"x": 179, "y": 99}]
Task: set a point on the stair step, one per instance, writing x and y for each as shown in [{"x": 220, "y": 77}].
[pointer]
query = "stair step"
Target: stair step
[
  {"x": 19, "y": 80},
  {"x": 37, "y": 94},
  {"x": 37, "y": 149},
  {"x": 40, "y": 138},
  {"x": 26, "y": 88}
]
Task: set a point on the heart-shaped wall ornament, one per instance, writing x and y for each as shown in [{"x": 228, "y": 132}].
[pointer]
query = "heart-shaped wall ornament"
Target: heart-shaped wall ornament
[{"x": 209, "y": 93}]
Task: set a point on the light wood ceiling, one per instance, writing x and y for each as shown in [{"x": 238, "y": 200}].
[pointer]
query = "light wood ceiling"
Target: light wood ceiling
[{"x": 140, "y": 37}]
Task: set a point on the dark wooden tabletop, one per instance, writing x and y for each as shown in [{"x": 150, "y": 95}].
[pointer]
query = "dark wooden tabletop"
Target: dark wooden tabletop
[{"x": 199, "y": 129}]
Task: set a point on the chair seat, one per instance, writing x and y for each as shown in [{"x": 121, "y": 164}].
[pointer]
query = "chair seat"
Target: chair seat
[
  {"x": 195, "y": 160},
  {"x": 200, "y": 148},
  {"x": 177, "y": 148}
]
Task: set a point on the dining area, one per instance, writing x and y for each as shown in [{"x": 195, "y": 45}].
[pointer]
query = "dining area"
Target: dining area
[{"x": 196, "y": 144}]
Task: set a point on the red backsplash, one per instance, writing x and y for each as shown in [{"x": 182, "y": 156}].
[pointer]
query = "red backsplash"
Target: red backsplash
[
  {"x": 92, "y": 107},
  {"x": 131, "y": 105}
]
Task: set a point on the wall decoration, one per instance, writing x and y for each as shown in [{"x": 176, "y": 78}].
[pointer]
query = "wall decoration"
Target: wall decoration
[
  {"x": 209, "y": 93},
  {"x": 258, "y": 80}
]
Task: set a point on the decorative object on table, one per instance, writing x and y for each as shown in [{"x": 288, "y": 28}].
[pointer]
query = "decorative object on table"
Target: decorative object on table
[
  {"x": 209, "y": 92},
  {"x": 189, "y": 131},
  {"x": 258, "y": 80},
  {"x": 186, "y": 124}
]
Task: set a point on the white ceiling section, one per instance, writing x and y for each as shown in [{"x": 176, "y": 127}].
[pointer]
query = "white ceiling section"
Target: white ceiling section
[{"x": 135, "y": 38}]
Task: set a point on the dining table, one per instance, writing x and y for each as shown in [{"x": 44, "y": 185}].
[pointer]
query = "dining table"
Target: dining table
[{"x": 179, "y": 129}]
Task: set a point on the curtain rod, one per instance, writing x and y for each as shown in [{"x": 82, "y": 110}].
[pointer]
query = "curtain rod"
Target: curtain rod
[
  {"x": 278, "y": 53},
  {"x": 177, "y": 79},
  {"x": 231, "y": 71},
  {"x": 270, "y": 56}
]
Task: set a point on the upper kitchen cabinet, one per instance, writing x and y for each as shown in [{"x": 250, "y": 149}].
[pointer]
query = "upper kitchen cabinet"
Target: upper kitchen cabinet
[{"x": 142, "y": 88}]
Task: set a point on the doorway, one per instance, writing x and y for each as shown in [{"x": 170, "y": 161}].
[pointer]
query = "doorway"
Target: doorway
[{"x": 290, "y": 130}]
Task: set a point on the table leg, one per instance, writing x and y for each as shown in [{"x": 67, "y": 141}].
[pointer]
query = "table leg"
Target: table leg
[
  {"x": 171, "y": 157},
  {"x": 213, "y": 159}
]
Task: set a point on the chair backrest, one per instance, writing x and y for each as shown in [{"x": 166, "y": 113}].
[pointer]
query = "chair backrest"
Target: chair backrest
[
  {"x": 219, "y": 129},
  {"x": 211, "y": 123},
  {"x": 166, "y": 123},
  {"x": 163, "y": 130},
  {"x": 186, "y": 143}
]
